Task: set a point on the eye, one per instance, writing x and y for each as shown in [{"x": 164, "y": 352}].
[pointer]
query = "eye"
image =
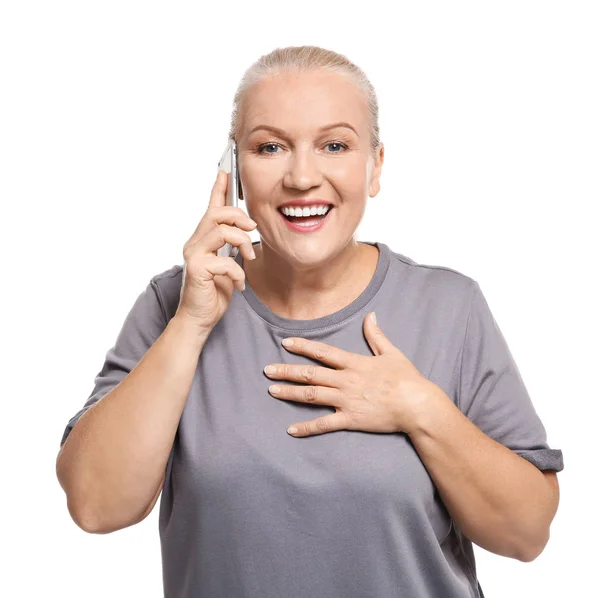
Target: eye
[
  {"x": 259, "y": 149},
  {"x": 342, "y": 146},
  {"x": 339, "y": 143}
]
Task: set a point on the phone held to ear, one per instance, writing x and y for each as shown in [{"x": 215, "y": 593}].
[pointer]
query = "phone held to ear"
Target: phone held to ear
[{"x": 229, "y": 163}]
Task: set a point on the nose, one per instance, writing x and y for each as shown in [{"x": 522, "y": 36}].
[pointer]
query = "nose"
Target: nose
[{"x": 303, "y": 171}]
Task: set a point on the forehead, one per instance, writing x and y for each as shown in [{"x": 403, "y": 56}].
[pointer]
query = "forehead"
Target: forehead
[{"x": 299, "y": 102}]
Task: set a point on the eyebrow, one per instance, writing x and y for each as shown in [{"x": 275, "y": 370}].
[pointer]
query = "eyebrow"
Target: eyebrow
[{"x": 325, "y": 128}]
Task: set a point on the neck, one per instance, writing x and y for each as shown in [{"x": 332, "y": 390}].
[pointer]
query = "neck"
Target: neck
[{"x": 307, "y": 291}]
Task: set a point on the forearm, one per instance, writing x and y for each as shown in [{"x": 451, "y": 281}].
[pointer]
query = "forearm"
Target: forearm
[
  {"x": 114, "y": 458},
  {"x": 498, "y": 500}
]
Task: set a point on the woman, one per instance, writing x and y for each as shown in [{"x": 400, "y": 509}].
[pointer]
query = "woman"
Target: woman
[{"x": 415, "y": 435}]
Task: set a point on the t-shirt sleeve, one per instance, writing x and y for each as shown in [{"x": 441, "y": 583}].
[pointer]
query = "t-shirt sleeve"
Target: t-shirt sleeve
[
  {"x": 492, "y": 393},
  {"x": 144, "y": 323}
]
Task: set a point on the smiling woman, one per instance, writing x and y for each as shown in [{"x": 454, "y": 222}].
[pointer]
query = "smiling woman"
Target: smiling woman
[
  {"x": 306, "y": 137},
  {"x": 390, "y": 476}
]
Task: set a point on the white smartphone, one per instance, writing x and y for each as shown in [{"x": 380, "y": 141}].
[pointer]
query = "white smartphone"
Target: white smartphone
[{"x": 229, "y": 163}]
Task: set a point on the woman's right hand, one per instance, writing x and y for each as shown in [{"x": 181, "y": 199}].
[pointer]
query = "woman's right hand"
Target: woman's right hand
[{"x": 208, "y": 279}]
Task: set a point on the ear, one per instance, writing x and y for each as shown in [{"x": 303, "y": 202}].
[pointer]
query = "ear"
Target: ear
[{"x": 374, "y": 186}]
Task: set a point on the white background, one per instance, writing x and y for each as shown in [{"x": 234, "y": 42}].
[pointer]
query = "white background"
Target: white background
[{"x": 113, "y": 116}]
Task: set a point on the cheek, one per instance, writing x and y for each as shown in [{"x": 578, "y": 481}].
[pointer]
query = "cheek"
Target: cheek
[
  {"x": 261, "y": 176},
  {"x": 350, "y": 179},
  {"x": 350, "y": 164}
]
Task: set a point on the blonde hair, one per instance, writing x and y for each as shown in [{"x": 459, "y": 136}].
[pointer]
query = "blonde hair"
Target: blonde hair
[{"x": 305, "y": 59}]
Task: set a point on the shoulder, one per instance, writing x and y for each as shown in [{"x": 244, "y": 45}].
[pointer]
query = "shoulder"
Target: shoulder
[
  {"x": 167, "y": 276},
  {"x": 437, "y": 281},
  {"x": 430, "y": 267}
]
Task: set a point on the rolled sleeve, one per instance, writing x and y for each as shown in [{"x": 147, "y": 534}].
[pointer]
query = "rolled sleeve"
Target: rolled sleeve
[{"x": 492, "y": 393}]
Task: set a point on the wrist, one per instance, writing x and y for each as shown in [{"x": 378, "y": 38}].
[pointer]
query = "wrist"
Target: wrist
[
  {"x": 188, "y": 329},
  {"x": 429, "y": 410}
]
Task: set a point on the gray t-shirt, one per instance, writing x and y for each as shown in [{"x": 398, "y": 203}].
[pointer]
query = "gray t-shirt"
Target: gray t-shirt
[{"x": 248, "y": 511}]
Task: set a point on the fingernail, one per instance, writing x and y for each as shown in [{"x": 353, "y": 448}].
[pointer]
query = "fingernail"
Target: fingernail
[{"x": 252, "y": 254}]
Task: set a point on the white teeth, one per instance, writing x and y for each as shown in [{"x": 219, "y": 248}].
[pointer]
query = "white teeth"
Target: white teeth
[{"x": 307, "y": 211}]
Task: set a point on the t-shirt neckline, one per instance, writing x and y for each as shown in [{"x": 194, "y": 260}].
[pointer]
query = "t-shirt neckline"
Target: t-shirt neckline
[{"x": 331, "y": 319}]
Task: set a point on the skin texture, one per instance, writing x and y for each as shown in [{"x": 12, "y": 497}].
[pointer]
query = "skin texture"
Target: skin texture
[{"x": 300, "y": 275}]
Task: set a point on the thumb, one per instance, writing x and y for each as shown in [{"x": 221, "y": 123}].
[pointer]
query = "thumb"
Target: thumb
[{"x": 376, "y": 338}]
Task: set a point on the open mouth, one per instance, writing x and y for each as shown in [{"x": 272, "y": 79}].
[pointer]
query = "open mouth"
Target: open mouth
[
  {"x": 307, "y": 224},
  {"x": 313, "y": 218}
]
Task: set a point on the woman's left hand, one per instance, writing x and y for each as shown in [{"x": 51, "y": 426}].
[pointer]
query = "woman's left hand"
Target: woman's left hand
[{"x": 380, "y": 393}]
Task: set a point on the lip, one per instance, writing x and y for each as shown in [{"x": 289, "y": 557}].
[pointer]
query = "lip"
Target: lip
[
  {"x": 306, "y": 202},
  {"x": 306, "y": 229}
]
